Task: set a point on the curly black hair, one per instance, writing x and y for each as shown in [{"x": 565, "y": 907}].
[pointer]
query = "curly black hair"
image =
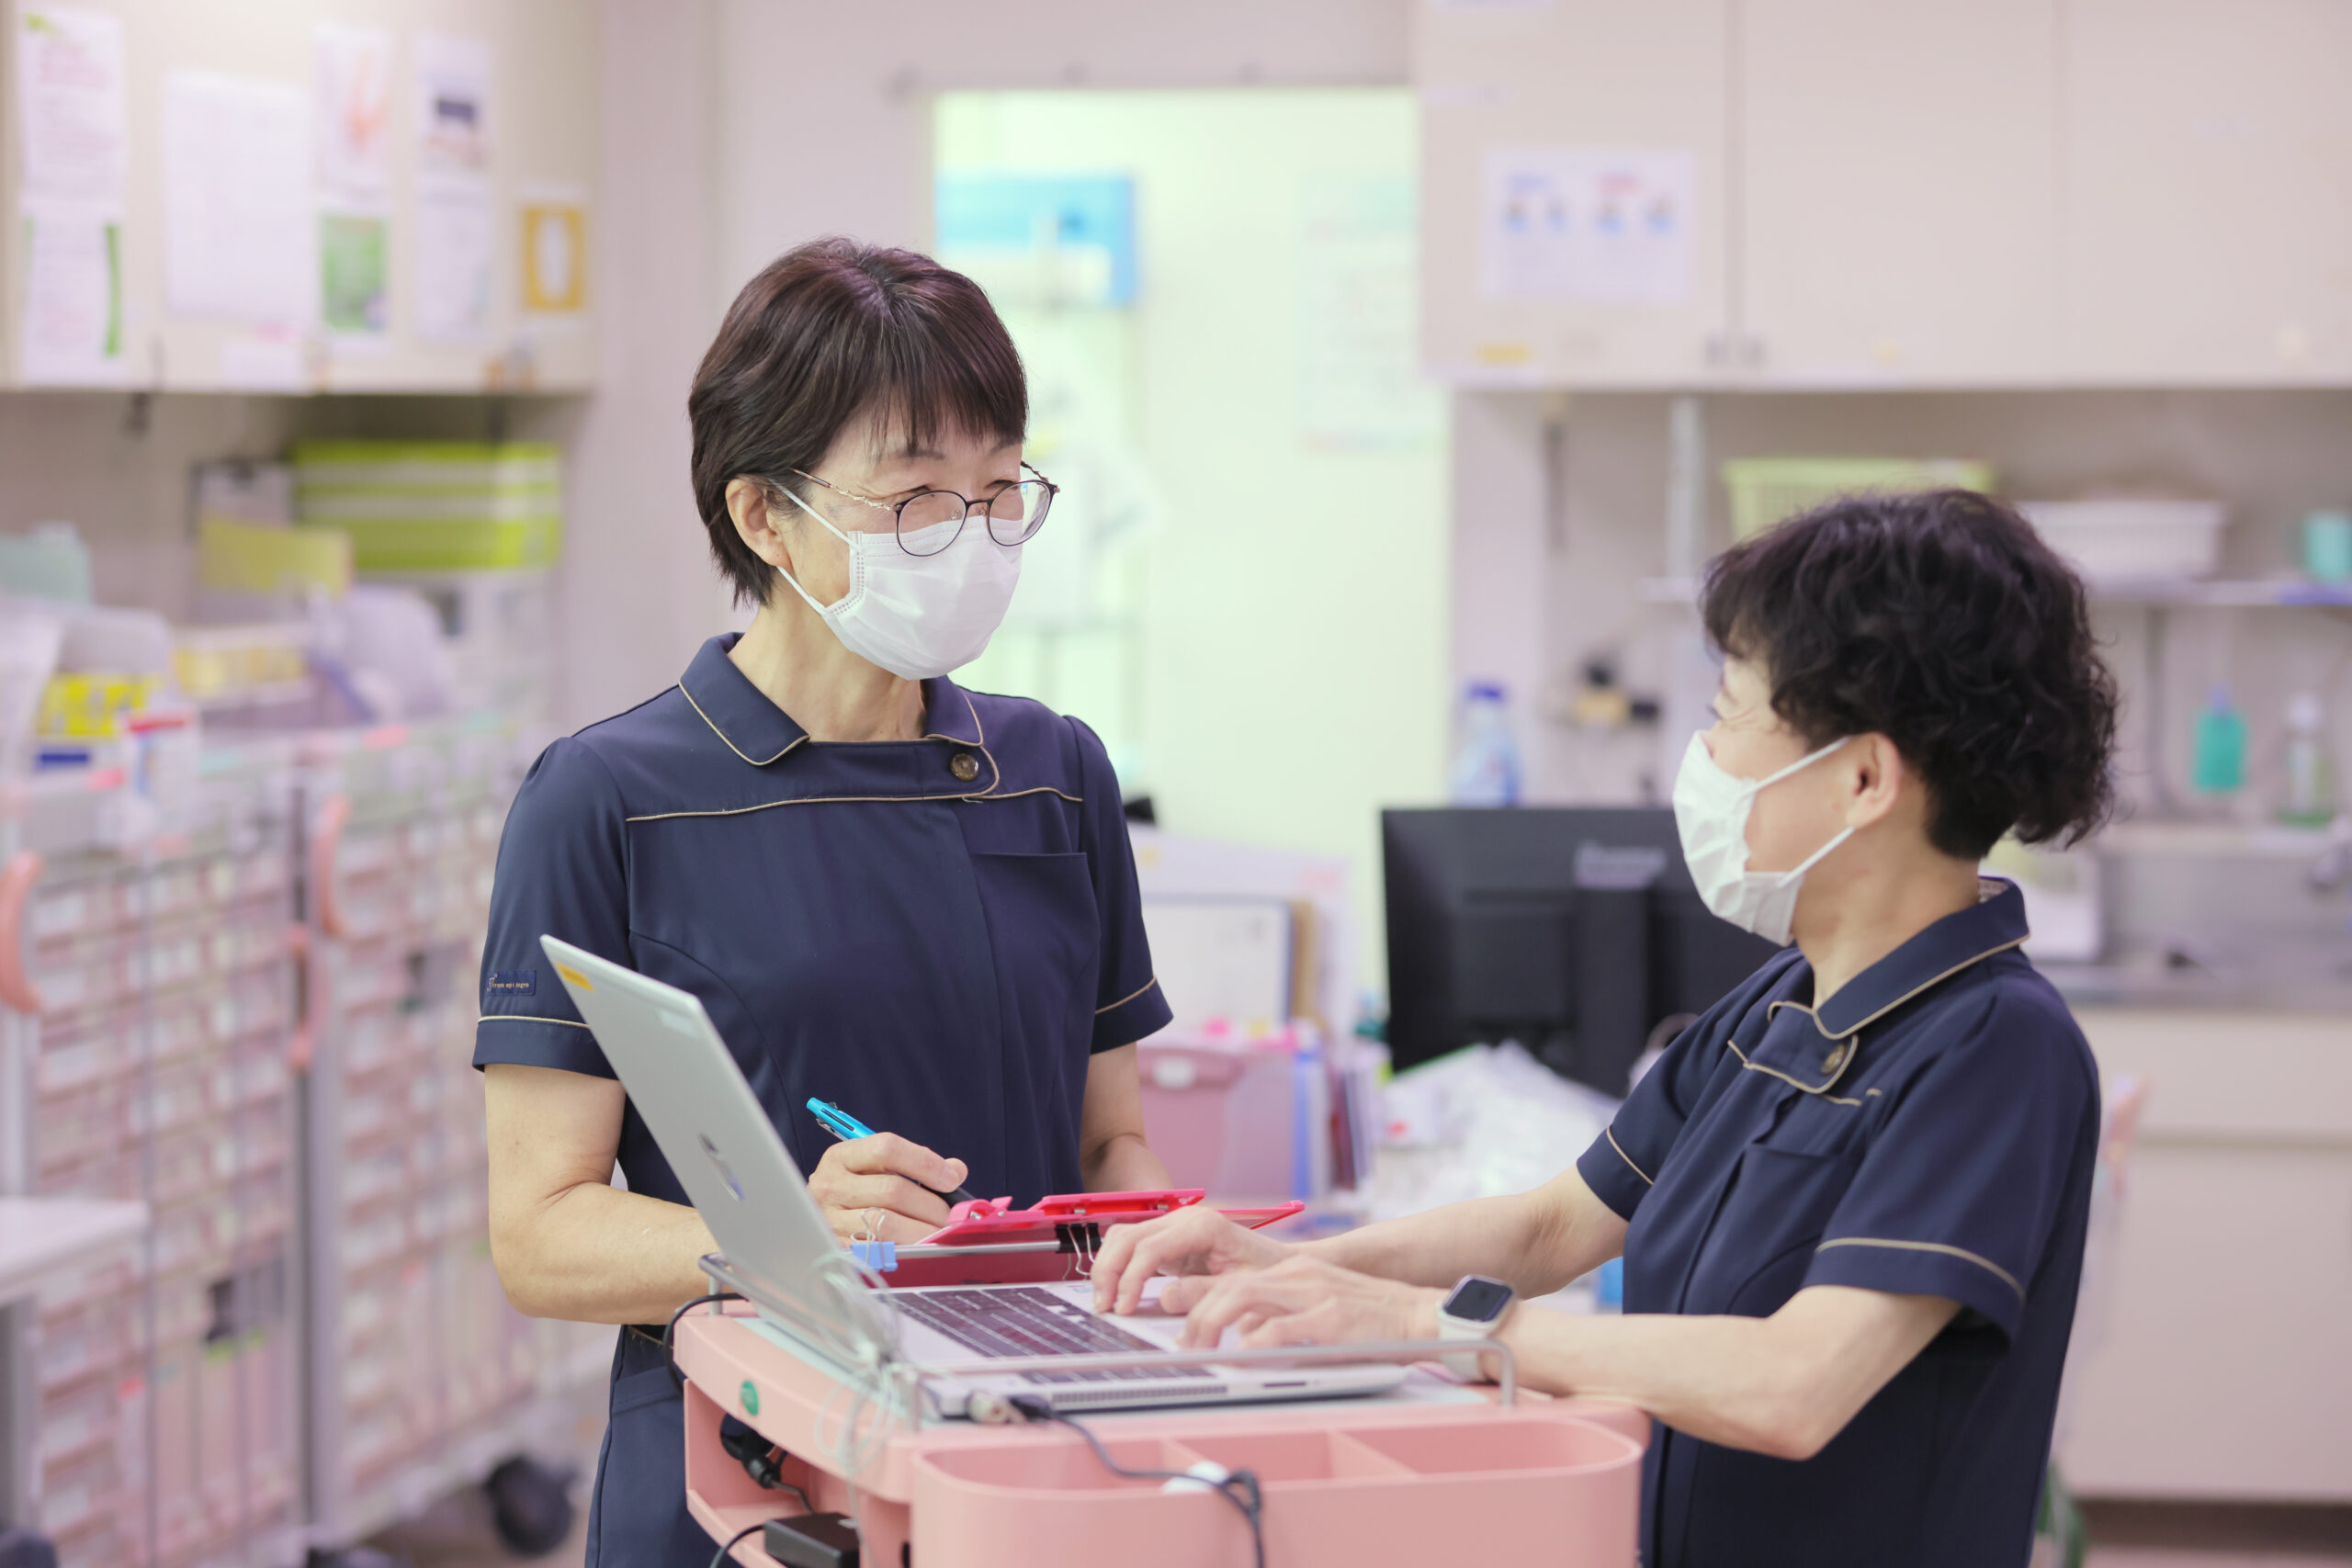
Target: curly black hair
[{"x": 1944, "y": 623}]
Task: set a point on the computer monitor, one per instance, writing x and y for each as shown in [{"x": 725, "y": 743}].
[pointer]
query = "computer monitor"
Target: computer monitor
[{"x": 1576, "y": 932}]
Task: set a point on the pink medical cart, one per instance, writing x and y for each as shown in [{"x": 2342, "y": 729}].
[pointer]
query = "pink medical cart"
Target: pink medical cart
[{"x": 1346, "y": 1483}]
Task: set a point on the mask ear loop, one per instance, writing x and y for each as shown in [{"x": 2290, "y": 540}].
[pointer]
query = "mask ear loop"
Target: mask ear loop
[
  {"x": 1796, "y": 767},
  {"x": 1757, "y": 787},
  {"x": 827, "y": 523},
  {"x": 1813, "y": 859}
]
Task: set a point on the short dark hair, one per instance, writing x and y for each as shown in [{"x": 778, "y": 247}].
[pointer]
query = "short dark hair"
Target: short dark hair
[
  {"x": 1944, "y": 623},
  {"x": 831, "y": 332}
]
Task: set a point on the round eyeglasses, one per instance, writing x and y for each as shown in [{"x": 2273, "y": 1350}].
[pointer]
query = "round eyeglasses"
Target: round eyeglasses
[{"x": 1014, "y": 511}]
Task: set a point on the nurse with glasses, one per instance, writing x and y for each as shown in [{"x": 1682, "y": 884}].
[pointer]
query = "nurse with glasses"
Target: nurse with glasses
[{"x": 889, "y": 893}]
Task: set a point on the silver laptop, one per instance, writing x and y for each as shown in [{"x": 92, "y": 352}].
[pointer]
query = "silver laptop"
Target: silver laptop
[{"x": 733, "y": 1163}]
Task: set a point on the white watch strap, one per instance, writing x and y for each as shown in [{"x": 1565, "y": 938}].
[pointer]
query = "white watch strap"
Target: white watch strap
[{"x": 1464, "y": 1364}]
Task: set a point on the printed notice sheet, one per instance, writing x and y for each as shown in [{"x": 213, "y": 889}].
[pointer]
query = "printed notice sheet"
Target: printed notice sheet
[
  {"x": 239, "y": 232},
  {"x": 1605, "y": 225},
  {"x": 454, "y": 244},
  {"x": 72, "y": 331},
  {"x": 70, "y": 126},
  {"x": 70, "y": 103}
]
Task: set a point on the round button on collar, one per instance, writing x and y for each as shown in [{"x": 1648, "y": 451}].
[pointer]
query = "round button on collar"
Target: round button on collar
[
  {"x": 964, "y": 766},
  {"x": 1834, "y": 1060}
]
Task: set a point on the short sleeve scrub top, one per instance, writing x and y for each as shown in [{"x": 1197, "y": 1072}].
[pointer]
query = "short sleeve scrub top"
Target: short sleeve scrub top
[
  {"x": 1930, "y": 1130},
  {"x": 937, "y": 934}
]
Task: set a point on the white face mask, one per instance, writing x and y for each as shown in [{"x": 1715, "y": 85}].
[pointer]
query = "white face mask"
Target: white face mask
[
  {"x": 1711, "y": 811},
  {"x": 918, "y": 617}
]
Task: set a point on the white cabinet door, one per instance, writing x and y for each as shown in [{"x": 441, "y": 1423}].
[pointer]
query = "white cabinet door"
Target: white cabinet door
[
  {"x": 1644, "y": 77},
  {"x": 2219, "y": 1365},
  {"x": 2227, "y": 1373},
  {"x": 1899, "y": 195},
  {"x": 2208, "y": 166}
]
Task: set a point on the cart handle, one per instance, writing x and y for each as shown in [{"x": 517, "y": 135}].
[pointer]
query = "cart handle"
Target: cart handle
[
  {"x": 326, "y": 844},
  {"x": 715, "y": 1265},
  {"x": 301, "y": 1040},
  {"x": 17, "y": 988}
]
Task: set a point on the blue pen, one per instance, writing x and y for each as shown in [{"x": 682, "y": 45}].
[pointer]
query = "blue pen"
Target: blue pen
[{"x": 844, "y": 1126}]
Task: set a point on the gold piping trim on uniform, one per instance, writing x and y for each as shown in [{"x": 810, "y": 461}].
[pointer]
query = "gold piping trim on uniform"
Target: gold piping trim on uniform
[
  {"x": 722, "y": 734},
  {"x": 1611, "y": 1134},
  {"x": 1851, "y": 1029},
  {"x": 802, "y": 800},
  {"x": 1038, "y": 789},
  {"x": 527, "y": 1018},
  {"x": 1128, "y": 997},
  {"x": 1960, "y": 1252},
  {"x": 996, "y": 774},
  {"x": 1776, "y": 1072},
  {"x": 979, "y": 736}
]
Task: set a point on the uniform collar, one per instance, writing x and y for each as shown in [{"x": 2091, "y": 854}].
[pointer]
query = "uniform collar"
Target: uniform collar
[
  {"x": 1995, "y": 923},
  {"x": 757, "y": 730}
]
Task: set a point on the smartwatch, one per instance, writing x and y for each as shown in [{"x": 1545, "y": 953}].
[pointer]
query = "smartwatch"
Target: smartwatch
[{"x": 1474, "y": 1311}]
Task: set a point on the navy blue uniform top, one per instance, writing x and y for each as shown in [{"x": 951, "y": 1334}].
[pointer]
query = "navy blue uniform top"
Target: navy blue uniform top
[
  {"x": 937, "y": 935},
  {"x": 1929, "y": 1130}
]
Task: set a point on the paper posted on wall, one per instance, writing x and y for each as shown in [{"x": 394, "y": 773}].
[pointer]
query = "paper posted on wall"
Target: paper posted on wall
[
  {"x": 71, "y": 333},
  {"x": 70, "y": 102},
  {"x": 553, "y": 257},
  {"x": 453, "y": 104},
  {"x": 455, "y": 242},
  {"x": 351, "y": 84},
  {"x": 452, "y": 243},
  {"x": 1360, "y": 385},
  {"x": 240, "y": 236},
  {"x": 1603, "y": 225}
]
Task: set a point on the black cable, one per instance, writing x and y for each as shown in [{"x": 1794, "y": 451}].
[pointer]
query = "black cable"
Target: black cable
[
  {"x": 1240, "y": 1487},
  {"x": 762, "y": 1459},
  {"x": 670, "y": 1334},
  {"x": 738, "y": 1539}
]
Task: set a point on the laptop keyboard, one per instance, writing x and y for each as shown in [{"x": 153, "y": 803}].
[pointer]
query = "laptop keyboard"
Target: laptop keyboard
[{"x": 1021, "y": 1320}]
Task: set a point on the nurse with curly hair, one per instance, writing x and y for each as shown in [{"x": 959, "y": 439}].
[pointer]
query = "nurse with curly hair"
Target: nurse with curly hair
[{"x": 1851, "y": 1198}]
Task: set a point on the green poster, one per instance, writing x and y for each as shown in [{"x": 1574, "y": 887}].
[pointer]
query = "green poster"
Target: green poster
[{"x": 353, "y": 267}]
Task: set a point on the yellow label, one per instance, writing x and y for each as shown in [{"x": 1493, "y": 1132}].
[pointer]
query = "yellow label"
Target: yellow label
[
  {"x": 87, "y": 707},
  {"x": 1504, "y": 353},
  {"x": 555, "y": 256},
  {"x": 574, "y": 977}
]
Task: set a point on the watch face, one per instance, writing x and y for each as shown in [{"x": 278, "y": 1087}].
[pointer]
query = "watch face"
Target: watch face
[{"x": 1477, "y": 1301}]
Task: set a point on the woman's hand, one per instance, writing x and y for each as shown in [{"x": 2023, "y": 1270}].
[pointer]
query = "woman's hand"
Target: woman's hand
[
  {"x": 1197, "y": 1240},
  {"x": 1302, "y": 1301},
  {"x": 896, "y": 1178}
]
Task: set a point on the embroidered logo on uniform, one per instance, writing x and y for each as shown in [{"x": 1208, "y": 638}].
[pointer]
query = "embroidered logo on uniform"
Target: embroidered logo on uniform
[{"x": 515, "y": 983}]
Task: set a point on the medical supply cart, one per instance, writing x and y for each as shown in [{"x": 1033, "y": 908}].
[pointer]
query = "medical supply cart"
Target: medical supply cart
[
  {"x": 1436, "y": 1474},
  {"x": 421, "y": 1378},
  {"x": 146, "y": 969},
  {"x": 252, "y": 1012}
]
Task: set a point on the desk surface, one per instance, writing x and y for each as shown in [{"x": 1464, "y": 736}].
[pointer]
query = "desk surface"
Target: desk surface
[{"x": 41, "y": 1234}]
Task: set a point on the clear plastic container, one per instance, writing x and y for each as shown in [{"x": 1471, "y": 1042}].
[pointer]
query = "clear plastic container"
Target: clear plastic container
[
  {"x": 1486, "y": 761},
  {"x": 2306, "y": 772}
]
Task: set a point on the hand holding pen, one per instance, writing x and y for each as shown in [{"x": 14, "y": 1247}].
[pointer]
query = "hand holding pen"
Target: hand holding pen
[{"x": 911, "y": 1186}]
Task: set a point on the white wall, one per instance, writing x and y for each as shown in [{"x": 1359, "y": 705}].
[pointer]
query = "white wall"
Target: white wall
[
  {"x": 1293, "y": 614},
  {"x": 825, "y": 126},
  {"x": 639, "y": 592},
  {"x": 825, "y": 108}
]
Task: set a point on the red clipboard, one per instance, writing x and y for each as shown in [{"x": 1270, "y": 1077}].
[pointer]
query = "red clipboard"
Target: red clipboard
[{"x": 982, "y": 1222}]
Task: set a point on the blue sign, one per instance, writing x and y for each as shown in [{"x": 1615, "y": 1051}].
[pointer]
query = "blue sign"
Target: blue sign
[{"x": 987, "y": 223}]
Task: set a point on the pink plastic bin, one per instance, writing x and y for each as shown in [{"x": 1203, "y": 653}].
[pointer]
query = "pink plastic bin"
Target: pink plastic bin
[{"x": 1222, "y": 1115}]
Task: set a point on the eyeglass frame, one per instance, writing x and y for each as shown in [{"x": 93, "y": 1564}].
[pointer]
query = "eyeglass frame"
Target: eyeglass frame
[{"x": 899, "y": 510}]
